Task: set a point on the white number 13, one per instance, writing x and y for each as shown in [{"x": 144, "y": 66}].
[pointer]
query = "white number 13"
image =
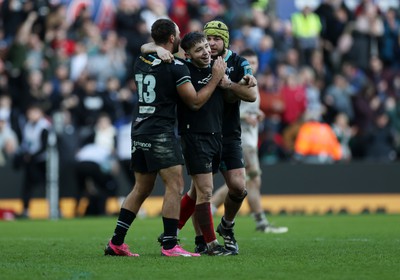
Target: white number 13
[{"x": 146, "y": 88}]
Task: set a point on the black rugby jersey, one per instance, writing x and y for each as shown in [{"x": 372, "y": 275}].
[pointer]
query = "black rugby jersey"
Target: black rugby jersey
[
  {"x": 208, "y": 119},
  {"x": 157, "y": 84},
  {"x": 237, "y": 67}
]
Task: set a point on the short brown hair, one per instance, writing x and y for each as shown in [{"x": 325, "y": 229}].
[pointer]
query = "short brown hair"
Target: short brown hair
[{"x": 162, "y": 29}]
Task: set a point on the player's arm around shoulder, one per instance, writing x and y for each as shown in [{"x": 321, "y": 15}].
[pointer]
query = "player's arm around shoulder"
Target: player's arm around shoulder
[
  {"x": 195, "y": 100},
  {"x": 245, "y": 89},
  {"x": 164, "y": 54}
]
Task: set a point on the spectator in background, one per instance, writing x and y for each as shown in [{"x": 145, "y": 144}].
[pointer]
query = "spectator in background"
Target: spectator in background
[
  {"x": 61, "y": 74},
  {"x": 55, "y": 57},
  {"x": 77, "y": 23},
  {"x": 343, "y": 133},
  {"x": 35, "y": 53},
  {"x": 92, "y": 102},
  {"x": 56, "y": 17},
  {"x": 355, "y": 76},
  {"x": 338, "y": 98},
  {"x": 366, "y": 104},
  {"x": 179, "y": 14},
  {"x": 390, "y": 43},
  {"x": 313, "y": 94},
  {"x": 271, "y": 102},
  {"x": 289, "y": 135},
  {"x": 323, "y": 75},
  {"x": 31, "y": 155},
  {"x": 67, "y": 100},
  {"x": 294, "y": 97},
  {"x": 238, "y": 13},
  {"x": 68, "y": 144},
  {"x": 3, "y": 77},
  {"x": 363, "y": 5},
  {"x": 306, "y": 30},
  {"x": 95, "y": 167},
  {"x": 14, "y": 14},
  {"x": 39, "y": 91},
  {"x": 91, "y": 37},
  {"x": 393, "y": 109},
  {"x": 291, "y": 61},
  {"x": 153, "y": 10},
  {"x": 11, "y": 114},
  {"x": 266, "y": 54},
  {"x": 8, "y": 139},
  {"x": 283, "y": 38},
  {"x": 78, "y": 61},
  {"x": 123, "y": 151},
  {"x": 272, "y": 105},
  {"x": 16, "y": 58},
  {"x": 131, "y": 27},
  {"x": 124, "y": 100},
  {"x": 368, "y": 29},
  {"x": 195, "y": 25},
  {"x": 380, "y": 139},
  {"x": 381, "y": 77},
  {"x": 334, "y": 17},
  {"x": 59, "y": 40},
  {"x": 249, "y": 33},
  {"x": 316, "y": 142},
  {"x": 108, "y": 62}
]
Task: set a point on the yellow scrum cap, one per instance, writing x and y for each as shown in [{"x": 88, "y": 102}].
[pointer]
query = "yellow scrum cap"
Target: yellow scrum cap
[{"x": 217, "y": 28}]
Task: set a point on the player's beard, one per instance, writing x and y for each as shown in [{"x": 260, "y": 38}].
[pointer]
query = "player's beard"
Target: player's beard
[
  {"x": 177, "y": 42},
  {"x": 220, "y": 53}
]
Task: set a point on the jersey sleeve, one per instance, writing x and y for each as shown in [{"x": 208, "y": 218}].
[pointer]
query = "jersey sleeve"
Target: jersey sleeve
[
  {"x": 245, "y": 66},
  {"x": 180, "y": 72}
]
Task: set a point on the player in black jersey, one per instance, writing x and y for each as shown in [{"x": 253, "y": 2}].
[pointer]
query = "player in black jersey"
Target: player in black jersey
[
  {"x": 155, "y": 149},
  {"x": 250, "y": 115},
  {"x": 241, "y": 86},
  {"x": 201, "y": 138},
  {"x": 232, "y": 163}
]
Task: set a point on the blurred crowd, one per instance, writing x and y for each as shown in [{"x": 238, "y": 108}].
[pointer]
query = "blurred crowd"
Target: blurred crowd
[{"x": 332, "y": 64}]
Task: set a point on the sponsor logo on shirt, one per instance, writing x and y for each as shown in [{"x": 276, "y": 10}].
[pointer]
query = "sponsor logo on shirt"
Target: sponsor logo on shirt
[{"x": 205, "y": 80}]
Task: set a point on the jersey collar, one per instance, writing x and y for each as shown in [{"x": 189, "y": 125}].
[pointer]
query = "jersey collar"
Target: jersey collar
[{"x": 228, "y": 55}]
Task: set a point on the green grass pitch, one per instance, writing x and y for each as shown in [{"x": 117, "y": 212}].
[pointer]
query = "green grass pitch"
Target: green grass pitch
[{"x": 316, "y": 247}]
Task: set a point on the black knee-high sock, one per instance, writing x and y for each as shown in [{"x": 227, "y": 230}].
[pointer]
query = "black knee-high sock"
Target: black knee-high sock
[
  {"x": 170, "y": 229},
  {"x": 125, "y": 220}
]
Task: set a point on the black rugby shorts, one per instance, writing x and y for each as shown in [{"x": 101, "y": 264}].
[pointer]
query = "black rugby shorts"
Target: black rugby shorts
[
  {"x": 202, "y": 152},
  {"x": 232, "y": 155},
  {"x": 153, "y": 152}
]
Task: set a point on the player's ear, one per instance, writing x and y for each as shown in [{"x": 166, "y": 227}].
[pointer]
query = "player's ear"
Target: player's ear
[
  {"x": 187, "y": 55},
  {"x": 172, "y": 39}
]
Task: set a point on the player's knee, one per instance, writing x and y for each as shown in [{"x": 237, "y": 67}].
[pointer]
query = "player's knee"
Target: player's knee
[
  {"x": 236, "y": 197},
  {"x": 252, "y": 174},
  {"x": 204, "y": 195}
]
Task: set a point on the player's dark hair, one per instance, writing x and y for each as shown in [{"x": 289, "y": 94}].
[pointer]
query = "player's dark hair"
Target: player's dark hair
[
  {"x": 191, "y": 39},
  {"x": 162, "y": 29},
  {"x": 248, "y": 52}
]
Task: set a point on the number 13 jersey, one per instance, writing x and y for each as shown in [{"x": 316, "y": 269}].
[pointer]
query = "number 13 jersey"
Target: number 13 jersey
[{"x": 157, "y": 84}]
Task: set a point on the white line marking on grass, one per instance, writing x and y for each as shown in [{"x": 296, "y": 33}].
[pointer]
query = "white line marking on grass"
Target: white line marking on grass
[{"x": 359, "y": 239}]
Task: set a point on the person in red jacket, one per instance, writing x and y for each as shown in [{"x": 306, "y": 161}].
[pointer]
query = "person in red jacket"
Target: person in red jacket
[{"x": 294, "y": 98}]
